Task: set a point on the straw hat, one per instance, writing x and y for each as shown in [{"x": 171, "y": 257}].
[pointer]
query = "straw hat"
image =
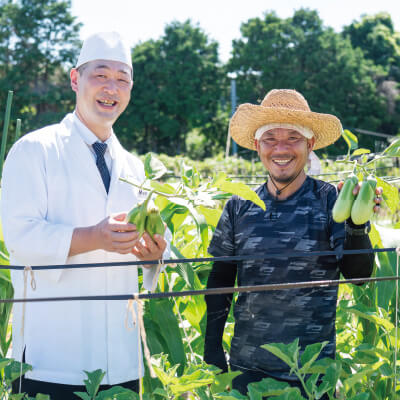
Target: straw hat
[
  {"x": 105, "y": 46},
  {"x": 283, "y": 106}
]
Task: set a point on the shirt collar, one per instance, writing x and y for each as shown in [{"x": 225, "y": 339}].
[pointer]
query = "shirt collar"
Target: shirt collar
[{"x": 89, "y": 137}]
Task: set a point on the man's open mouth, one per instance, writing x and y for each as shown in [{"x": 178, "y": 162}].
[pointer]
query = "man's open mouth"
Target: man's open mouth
[
  {"x": 282, "y": 161},
  {"x": 107, "y": 103}
]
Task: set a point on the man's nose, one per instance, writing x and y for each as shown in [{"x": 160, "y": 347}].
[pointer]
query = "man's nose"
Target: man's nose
[
  {"x": 281, "y": 145},
  {"x": 110, "y": 86}
]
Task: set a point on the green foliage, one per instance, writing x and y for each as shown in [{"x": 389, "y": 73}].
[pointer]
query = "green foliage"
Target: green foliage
[
  {"x": 177, "y": 89},
  {"x": 300, "y": 53},
  {"x": 39, "y": 40}
]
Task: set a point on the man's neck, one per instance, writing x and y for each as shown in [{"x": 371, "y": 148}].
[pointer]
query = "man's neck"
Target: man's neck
[
  {"x": 102, "y": 132},
  {"x": 282, "y": 190}
]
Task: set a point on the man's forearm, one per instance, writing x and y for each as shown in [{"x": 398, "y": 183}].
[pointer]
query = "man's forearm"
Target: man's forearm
[
  {"x": 218, "y": 306},
  {"x": 357, "y": 265},
  {"x": 82, "y": 241}
]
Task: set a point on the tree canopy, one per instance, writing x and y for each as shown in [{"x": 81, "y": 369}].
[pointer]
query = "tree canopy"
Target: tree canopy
[{"x": 180, "y": 99}]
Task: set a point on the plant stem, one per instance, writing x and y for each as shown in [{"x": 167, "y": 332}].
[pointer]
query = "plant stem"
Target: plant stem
[
  {"x": 5, "y": 129},
  {"x": 152, "y": 190}
]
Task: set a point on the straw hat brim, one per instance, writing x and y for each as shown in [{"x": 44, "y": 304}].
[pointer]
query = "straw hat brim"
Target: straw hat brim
[{"x": 249, "y": 117}]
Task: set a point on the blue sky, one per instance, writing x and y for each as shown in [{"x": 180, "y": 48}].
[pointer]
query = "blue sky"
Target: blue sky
[{"x": 220, "y": 19}]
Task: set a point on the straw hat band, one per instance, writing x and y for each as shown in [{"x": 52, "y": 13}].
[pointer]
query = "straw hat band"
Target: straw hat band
[{"x": 307, "y": 133}]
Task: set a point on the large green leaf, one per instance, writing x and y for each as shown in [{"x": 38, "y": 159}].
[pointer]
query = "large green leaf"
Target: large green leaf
[
  {"x": 288, "y": 353},
  {"x": 371, "y": 315},
  {"x": 222, "y": 381},
  {"x": 198, "y": 218},
  {"x": 93, "y": 381},
  {"x": 393, "y": 149},
  {"x": 310, "y": 354},
  {"x": 267, "y": 387},
  {"x": 153, "y": 167},
  {"x": 240, "y": 189},
  {"x": 360, "y": 151},
  {"x": 117, "y": 393},
  {"x": 13, "y": 371},
  {"x": 161, "y": 312},
  {"x": 390, "y": 194},
  {"x": 162, "y": 187},
  {"x": 351, "y": 139},
  {"x": 385, "y": 289}
]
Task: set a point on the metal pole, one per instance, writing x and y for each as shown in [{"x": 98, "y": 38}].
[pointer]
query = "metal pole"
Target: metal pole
[
  {"x": 233, "y": 109},
  {"x": 5, "y": 129},
  {"x": 17, "y": 130}
]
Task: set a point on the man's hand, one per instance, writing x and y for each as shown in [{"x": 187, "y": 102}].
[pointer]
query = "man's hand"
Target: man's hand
[
  {"x": 113, "y": 234},
  {"x": 149, "y": 249},
  {"x": 110, "y": 234},
  {"x": 378, "y": 193}
]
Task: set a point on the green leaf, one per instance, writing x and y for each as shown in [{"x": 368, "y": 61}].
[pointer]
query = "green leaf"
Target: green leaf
[
  {"x": 310, "y": 354},
  {"x": 162, "y": 187},
  {"x": 360, "y": 151},
  {"x": 267, "y": 387},
  {"x": 117, "y": 393},
  {"x": 211, "y": 215},
  {"x": 330, "y": 379},
  {"x": 350, "y": 139},
  {"x": 222, "y": 381},
  {"x": 385, "y": 289},
  {"x": 390, "y": 194},
  {"x": 13, "y": 371},
  {"x": 161, "y": 392},
  {"x": 153, "y": 167},
  {"x": 393, "y": 149},
  {"x": 242, "y": 190},
  {"x": 371, "y": 315},
  {"x": 161, "y": 312},
  {"x": 198, "y": 218},
  {"x": 41, "y": 396},
  {"x": 286, "y": 352},
  {"x": 93, "y": 381}
]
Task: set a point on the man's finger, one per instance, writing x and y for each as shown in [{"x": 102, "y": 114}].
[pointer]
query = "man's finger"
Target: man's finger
[
  {"x": 378, "y": 191},
  {"x": 356, "y": 189},
  {"x": 340, "y": 185},
  {"x": 160, "y": 241}
]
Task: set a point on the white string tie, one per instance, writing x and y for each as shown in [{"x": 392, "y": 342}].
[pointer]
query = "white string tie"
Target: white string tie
[
  {"x": 22, "y": 331},
  {"x": 137, "y": 319}
]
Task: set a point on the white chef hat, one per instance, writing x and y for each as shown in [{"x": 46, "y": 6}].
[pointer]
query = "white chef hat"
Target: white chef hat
[{"x": 105, "y": 46}]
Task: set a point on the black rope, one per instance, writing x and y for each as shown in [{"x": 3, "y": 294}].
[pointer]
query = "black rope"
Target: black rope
[
  {"x": 213, "y": 291},
  {"x": 282, "y": 254}
]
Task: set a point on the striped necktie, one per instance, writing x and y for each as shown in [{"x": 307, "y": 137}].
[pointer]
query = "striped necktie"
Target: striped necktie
[{"x": 100, "y": 149}]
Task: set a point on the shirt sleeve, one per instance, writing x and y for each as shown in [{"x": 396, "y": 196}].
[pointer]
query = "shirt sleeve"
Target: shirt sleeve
[
  {"x": 350, "y": 265},
  {"x": 223, "y": 240},
  {"x": 30, "y": 238}
]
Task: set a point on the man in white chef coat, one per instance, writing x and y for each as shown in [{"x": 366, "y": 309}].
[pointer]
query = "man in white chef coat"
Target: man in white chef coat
[{"x": 63, "y": 203}]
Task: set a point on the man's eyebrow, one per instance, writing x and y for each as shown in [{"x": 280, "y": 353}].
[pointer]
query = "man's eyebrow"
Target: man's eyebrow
[{"x": 107, "y": 67}]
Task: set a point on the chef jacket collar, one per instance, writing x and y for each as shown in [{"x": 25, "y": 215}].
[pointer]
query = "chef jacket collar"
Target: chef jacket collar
[{"x": 89, "y": 137}]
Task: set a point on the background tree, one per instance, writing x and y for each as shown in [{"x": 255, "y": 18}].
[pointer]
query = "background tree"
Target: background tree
[
  {"x": 380, "y": 43},
  {"x": 39, "y": 42},
  {"x": 177, "y": 88},
  {"x": 300, "y": 53}
]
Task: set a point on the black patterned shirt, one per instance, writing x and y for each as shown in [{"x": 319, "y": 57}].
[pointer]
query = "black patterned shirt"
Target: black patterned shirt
[{"x": 302, "y": 222}]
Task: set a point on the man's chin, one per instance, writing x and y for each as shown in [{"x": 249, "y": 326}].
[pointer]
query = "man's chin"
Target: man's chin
[{"x": 283, "y": 179}]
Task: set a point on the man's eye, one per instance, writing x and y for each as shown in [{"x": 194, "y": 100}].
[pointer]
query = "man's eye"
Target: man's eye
[{"x": 101, "y": 76}]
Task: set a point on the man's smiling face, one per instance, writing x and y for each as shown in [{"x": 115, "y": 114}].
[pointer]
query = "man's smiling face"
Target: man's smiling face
[
  {"x": 103, "y": 91},
  {"x": 284, "y": 153}
]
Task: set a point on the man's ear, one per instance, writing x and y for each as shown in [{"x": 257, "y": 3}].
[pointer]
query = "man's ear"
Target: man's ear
[
  {"x": 310, "y": 144},
  {"x": 257, "y": 145},
  {"x": 74, "y": 79}
]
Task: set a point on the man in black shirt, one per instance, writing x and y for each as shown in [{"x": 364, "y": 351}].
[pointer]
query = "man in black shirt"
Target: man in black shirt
[{"x": 298, "y": 217}]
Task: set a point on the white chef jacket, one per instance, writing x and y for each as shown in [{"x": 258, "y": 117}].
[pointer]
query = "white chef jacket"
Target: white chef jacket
[{"x": 51, "y": 185}]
